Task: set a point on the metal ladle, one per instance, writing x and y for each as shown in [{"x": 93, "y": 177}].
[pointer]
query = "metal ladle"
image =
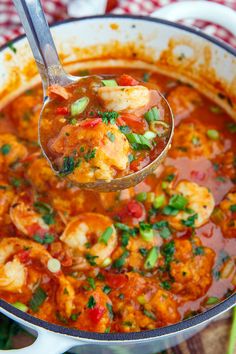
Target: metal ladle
[{"x": 51, "y": 72}]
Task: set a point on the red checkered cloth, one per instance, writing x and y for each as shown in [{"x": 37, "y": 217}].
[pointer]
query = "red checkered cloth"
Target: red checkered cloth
[{"x": 10, "y": 26}]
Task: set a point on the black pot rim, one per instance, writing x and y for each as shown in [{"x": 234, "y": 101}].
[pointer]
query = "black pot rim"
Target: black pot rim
[{"x": 133, "y": 336}]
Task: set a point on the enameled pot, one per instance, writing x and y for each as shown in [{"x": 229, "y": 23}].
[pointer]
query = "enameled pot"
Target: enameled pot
[{"x": 153, "y": 43}]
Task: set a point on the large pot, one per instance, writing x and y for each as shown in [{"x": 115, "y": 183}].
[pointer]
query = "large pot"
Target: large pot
[{"x": 156, "y": 44}]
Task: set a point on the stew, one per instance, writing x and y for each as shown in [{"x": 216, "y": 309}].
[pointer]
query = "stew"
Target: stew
[{"x": 133, "y": 260}]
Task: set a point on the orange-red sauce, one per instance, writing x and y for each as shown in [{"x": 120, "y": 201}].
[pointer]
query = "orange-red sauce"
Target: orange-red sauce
[{"x": 153, "y": 274}]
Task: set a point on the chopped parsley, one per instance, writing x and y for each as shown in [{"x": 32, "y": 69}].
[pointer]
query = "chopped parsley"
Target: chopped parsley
[
  {"x": 108, "y": 117},
  {"x": 106, "y": 289},
  {"x": 198, "y": 251},
  {"x": 165, "y": 285},
  {"x": 125, "y": 129},
  {"x": 190, "y": 221},
  {"x": 110, "y": 310},
  {"x": 44, "y": 240},
  {"x": 46, "y": 211},
  {"x": 231, "y": 127},
  {"x": 91, "y": 259},
  {"x": 91, "y": 303},
  {"x": 68, "y": 165},
  {"x": 168, "y": 251},
  {"x": 119, "y": 262},
  {"x": 90, "y": 155},
  {"x": 5, "y": 149},
  {"x": 91, "y": 282},
  {"x": 233, "y": 208},
  {"x": 111, "y": 136},
  {"x": 37, "y": 299}
]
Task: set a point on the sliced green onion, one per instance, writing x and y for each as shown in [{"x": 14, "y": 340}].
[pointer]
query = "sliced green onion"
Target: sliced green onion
[
  {"x": 213, "y": 134},
  {"x": 164, "y": 185},
  {"x": 178, "y": 202},
  {"x": 152, "y": 115},
  {"x": 141, "y": 197},
  {"x": 79, "y": 106},
  {"x": 149, "y": 314},
  {"x": 107, "y": 261},
  {"x": 212, "y": 300},
  {"x": 54, "y": 265},
  {"x": 146, "y": 231},
  {"x": 138, "y": 141},
  {"x": 20, "y": 306},
  {"x": 159, "y": 201},
  {"x": 37, "y": 299},
  {"x": 149, "y": 135},
  {"x": 151, "y": 258},
  {"x": 122, "y": 227},
  {"x": 104, "y": 238},
  {"x": 109, "y": 83}
]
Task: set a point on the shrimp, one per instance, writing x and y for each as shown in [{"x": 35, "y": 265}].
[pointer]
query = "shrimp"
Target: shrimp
[
  {"x": 192, "y": 268},
  {"x": 26, "y": 219},
  {"x": 16, "y": 272},
  {"x": 124, "y": 98},
  {"x": 11, "y": 150},
  {"x": 225, "y": 215},
  {"x": 83, "y": 236},
  {"x": 200, "y": 203}
]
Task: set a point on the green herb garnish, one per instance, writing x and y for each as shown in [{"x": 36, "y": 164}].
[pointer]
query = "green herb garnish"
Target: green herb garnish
[{"x": 37, "y": 299}]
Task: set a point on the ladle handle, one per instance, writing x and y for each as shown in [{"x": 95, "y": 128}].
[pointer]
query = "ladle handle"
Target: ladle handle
[{"x": 41, "y": 42}]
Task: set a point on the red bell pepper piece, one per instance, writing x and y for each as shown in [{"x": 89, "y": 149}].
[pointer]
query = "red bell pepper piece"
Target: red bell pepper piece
[
  {"x": 115, "y": 281},
  {"x": 127, "y": 80},
  {"x": 24, "y": 256},
  {"x": 91, "y": 123},
  {"x": 96, "y": 313},
  {"x": 136, "y": 124},
  {"x": 62, "y": 111},
  {"x": 135, "y": 209}
]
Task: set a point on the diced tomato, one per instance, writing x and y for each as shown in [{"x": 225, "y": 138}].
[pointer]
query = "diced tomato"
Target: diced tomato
[
  {"x": 62, "y": 111},
  {"x": 36, "y": 229},
  {"x": 127, "y": 80},
  {"x": 198, "y": 175},
  {"x": 135, "y": 209},
  {"x": 57, "y": 90},
  {"x": 116, "y": 281},
  {"x": 139, "y": 163},
  {"x": 96, "y": 313},
  {"x": 136, "y": 124},
  {"x": 90, "y": 123},
  {"x": 24, "y": 256},
  {"x": 67, "y": 262}
]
